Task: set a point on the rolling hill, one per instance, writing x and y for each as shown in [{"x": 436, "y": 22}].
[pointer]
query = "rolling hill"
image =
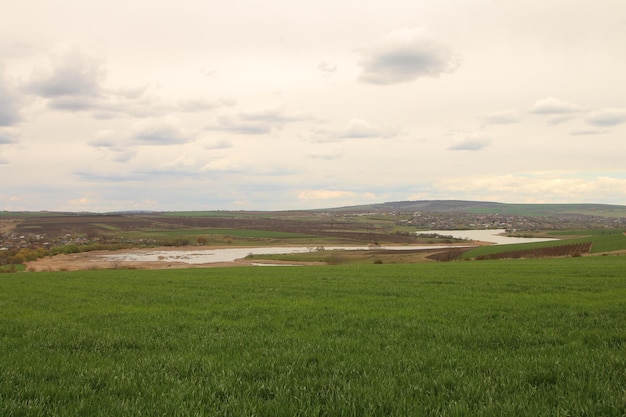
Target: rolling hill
[{"x": 486, "y": 207}]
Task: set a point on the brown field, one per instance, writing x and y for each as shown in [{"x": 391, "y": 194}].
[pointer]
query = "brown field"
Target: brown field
[{"x": 302, "y": 223}]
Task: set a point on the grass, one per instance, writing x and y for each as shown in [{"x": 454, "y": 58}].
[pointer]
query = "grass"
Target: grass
[
  {"x": 219, "y": 236},
  {"x": 607, "y": 210},
  {"x": 492, "y": 338},
  {"x": 603, "y": 240},
  {"x": 334, "y": 257}
]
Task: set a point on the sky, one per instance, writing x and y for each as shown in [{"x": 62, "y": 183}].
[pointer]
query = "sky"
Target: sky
[{"x": 298, "y": 104}]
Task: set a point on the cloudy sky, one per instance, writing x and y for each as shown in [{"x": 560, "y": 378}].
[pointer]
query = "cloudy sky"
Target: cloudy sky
[{"x": 295, "y": 104}]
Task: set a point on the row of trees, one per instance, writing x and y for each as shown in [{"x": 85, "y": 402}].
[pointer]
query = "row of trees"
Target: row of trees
[
  {"x": 11, "y": 257},
  {"x": 573, "y": 249}
]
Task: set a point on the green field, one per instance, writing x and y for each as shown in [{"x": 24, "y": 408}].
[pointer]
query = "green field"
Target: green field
[
  {"x": 493, "y": 338},
  {"x": 602, "y": 240},
  {"x": 194, "y": 233}
]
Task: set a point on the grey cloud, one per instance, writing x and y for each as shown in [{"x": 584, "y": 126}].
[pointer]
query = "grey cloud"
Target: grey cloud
[
  {"x": 274, "y": 116},
  {"x": 122, "y": 147},
  {"x": 357, "y": 128},
  {"x": 115, "y": 144},
  {"x": 607, "y": 117},
  {"x": 238, "y": 125},
  {"x": 354, "y": 129},
  {"x": 558, "y": 119},
  {"x": 258, "y": 122},
  {"x": 503, "y": 117},
  {"x": 72, "y": 103},
  {"x": 325, "y": 155},
  {"x": 201, "y": 104},
  {"x": 106, "y": 139},
  {"x": 8, "y": 136},
  {"x": 123, "y": 154},
  {"x": 74, "y": 81},
  {"x": 9, "y": 101},
  {"x": 404, "y": 56},
  {"x": 471, "y": 142},
  {"x": 104, "y": 177},
  {"x": 553, "y": 106},
  {"x": 71, "y": 73},
  {"x": 129, "y": 92},
  {"x": 588, "y": 132},
  {"x": 218, "y": 144},
  {"x": 327, "y": 69},
  {"x": 160, "y": 132}
]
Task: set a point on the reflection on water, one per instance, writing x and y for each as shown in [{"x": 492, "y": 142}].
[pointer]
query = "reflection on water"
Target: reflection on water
[{"x": 486, "y": 235}]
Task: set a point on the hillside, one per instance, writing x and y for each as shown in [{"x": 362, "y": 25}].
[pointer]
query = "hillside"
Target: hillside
[{"x": 487, "y": 207}]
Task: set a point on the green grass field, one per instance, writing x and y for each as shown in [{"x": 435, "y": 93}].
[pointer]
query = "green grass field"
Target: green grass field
[
  {"x": 218, "y": 237},
  {"x": 493, "y": 338},
  {"x": 603, "y": 240}
]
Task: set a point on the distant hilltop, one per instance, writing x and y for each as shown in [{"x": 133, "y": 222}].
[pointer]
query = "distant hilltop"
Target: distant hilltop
[
  {"x": 432, "y": 206},
  {"x": 488, "y": 207}
]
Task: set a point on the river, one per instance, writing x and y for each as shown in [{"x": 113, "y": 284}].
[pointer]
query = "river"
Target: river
[
  {"x": 494, "y": 236},
  {"x": 203, "y": 256}
]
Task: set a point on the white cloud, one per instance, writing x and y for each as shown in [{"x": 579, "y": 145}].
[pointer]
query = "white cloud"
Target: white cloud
[
  {"x": 72, "y": 73},
  {"x": 122, "y": 146},
  {"x": 201, "y": 104},
  {"x": 474, "y": 141},
  {"x": 221, "y": 165},
  {"x": 256, "y": 122},
  {"x": 588, "y": 132},
  {"x": 557, "y": 111},
  {"x": 355, "y": 129},
  {"x": 553, "y": 106},
  {"x": 327, "y": 70},
  {"x": 503, "y": 117},
  {"x": 326, "y": 154},
  {"x": 607, "y": 117},
  {"x": 405, "y": 55},
  {"x": 9, "y": 101},
  {"x": 218, "y": 144},
  {"x": 74, "y": 81},
  {"x": 241, "y": 126},
  {"x": 182, "y": 162},
  {"x": 8, "y": 135},
  {"x": 324, "y": 194},
  {"x": 330, "y": 197},
  {"x": 160, "y": 132},
  {"x": 539, "y": 187},
  {"x": 358, "y": 128},
  {"x": 115, "y": 144}
]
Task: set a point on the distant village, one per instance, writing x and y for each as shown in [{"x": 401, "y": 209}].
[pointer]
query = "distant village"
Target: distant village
[
  {"x": 511, "y": 223},
  {"x": 10, "y": 240}
]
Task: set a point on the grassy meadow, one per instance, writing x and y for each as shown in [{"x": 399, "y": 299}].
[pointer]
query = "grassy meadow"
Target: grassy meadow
[{"x": 540, "y": 337}]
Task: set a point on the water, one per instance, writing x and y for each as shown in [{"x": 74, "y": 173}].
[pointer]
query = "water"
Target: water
[
  {"x": 487, "y": 235},
  {"x": 218, "y": 255},
  {"x": 204, "y": 256}
]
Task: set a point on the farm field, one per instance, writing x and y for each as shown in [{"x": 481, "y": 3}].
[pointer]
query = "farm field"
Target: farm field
[
  {"x": 594, "y": 241},
  {"x": 540, "y": 337}
]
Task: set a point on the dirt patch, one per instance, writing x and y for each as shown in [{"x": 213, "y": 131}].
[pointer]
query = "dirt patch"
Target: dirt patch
[{"x": 7, "y": 226}]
